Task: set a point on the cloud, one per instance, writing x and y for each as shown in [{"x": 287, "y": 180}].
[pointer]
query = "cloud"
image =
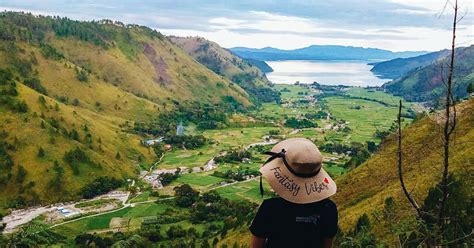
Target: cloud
[{"x": 390, "y": 24}]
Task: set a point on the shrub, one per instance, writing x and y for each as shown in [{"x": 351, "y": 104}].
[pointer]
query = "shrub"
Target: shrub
[
  {"x": 299, "y": 123},
  {"x": 100, "y": 186},
  {"x": 35, "y": 84}
]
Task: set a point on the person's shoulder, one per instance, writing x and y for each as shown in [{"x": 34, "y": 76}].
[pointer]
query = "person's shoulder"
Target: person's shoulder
[
  {"x": 328, "y": 204},
  {"x": 273, "y": 201}
]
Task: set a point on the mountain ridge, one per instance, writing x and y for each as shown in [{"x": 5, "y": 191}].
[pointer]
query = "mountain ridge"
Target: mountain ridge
[
  {"x": 425, "y": 83},
  {"x": 398, "y": 67},
  {"x": 322, "y": 52},
  {"x": 224, "y": 62},
  {"x": 72, "y": 92}
]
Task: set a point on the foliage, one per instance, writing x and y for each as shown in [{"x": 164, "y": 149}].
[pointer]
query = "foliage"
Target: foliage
[
  {"x": 299, "y": 123},
  {"x": 90, "y": 240},
  {"x": 50, "y": 52},
  {"x": 233, "y": 156},
  {"x": 159, "y": 150},
  {"x": 167, "y": 178},
  {"x": 176, "y": 231},
  {"x": 427, "y": 84},
  {"x": 459, "y": 215},
  {"x": 318, "y": 115},
  {"x": 240, "y": 175},
  {"x": 30, "y": 28},
  {"x": 34, "y": 83},
  {"x": 6, "y": 160},
  {"x": 211, "y": 207},
  {"x": 21, "y": 174},
  {"x": 8, "y": 93},
  {"x": 34, "y": 235},
  {"x": 360, "y": 236},
  {"x": 204, "y": 115},
  {"x": 100, "y": 186},
  {"x": 187, "y": 141},
  {"x": 151, "y": 232},
  {"x": 185, "y": 195},
  {"x": 41, "y": 152},
  {"x": 75, "y": 158},
  {"x": 82, "y": 75}
]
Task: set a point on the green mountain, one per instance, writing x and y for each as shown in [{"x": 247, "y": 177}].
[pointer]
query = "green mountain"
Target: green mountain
[
  {"x": 366, "y": 188},
  {"x": 398, "y": 67},
  {"x": 71, "y": 93},
  {"x": 426, "y": 83},
  {"x": 264, "y": 67},
  {"x": 224, "y": 62}
]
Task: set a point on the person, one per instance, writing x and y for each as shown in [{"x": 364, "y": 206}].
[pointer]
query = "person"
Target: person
[{"x": 302, "y": 215}]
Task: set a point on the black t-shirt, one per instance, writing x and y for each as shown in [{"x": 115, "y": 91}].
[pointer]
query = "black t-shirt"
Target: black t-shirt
[{"x": 286, "y": 224}]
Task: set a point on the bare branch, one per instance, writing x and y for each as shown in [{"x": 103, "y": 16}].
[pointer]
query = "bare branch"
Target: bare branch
[
  {"x": 449, "y": 126},
  {"x": 400, "y": 172}
]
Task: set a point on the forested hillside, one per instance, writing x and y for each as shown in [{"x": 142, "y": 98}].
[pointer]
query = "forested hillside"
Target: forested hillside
[
  {"x": 374, "y": 188},
  {"x": 73, "y": 93},
  {"x": 425, "y": 84},
  {"x": 224, "y": 62},
  {"x": 398, "y": 67}
]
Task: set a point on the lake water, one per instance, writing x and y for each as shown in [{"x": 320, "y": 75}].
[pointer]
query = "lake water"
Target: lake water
[{"x": 328, "y": 72}]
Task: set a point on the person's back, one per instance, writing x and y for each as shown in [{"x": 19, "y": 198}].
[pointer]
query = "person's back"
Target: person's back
[
  {"x": 287, "y": 224},
  {"x": 303, "y": 216}
]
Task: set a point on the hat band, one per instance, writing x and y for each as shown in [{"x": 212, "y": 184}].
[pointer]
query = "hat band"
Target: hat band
[{"x": 282, "y": 155}]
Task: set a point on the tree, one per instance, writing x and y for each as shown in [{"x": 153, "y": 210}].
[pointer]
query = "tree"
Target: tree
[
  {"x": 20, "y": 176},
  {"x": 407, "y": 194},
  {"x": 100, "y": 186},
  {"x": 371, "y": 146},
  {"x": 42, "y": 100},
  {"x": 211, "y": 196},
  {"x": 74, "y": 135},
  {"x": 449, "y": 124},
  {"x": 176, "y": 231},
  {"x": 57, "y": 182},
  {"x": 41, "y": 152},
  {"x": 434, "y": 236},
  {"x": 76, "y": 102},
  {"x": 185, "y": 195},
  {"x": 151, "y": 232}
]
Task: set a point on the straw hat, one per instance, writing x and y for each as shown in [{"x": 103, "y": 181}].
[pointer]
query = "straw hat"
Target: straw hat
[{"x": 295, "y": 173}]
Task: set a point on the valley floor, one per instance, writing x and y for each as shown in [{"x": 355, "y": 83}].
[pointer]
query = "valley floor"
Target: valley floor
[{"x": 347, "y": 115}]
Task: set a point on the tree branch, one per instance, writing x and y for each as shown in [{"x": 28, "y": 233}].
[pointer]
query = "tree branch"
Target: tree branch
[{"x": 400, "y": 172}]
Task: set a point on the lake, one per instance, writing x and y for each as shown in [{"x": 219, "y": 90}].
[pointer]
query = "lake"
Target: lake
[{"x": 328, "y": 72}]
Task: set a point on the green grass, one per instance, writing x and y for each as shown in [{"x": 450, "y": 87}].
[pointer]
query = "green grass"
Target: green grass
[
  {"x": 141, "y": 197},
  {"x": 373, "y": 94},
  {"x": 94, "y": 203},
  {"x": 103, "y": 221},
  {"x": 293, "y": 91},
  {"x": 199, "y": 179},
  {"x": 365, "y": 121},
  {"x": 225, "y": 139},
  {"x": 92, "y": 223},
  {"x": 246, "y": 190}
]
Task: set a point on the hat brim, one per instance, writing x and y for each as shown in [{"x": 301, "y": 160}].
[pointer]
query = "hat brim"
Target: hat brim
[{"x": 298, "y": 189}]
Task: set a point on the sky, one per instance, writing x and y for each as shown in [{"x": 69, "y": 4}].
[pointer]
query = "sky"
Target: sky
[{"x": 397, "y": 25}]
